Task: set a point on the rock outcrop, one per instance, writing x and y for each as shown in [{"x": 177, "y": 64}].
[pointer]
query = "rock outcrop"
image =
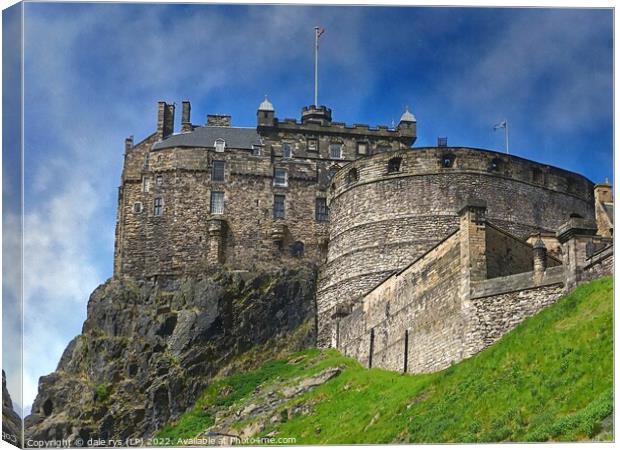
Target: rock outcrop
[
  {"x": 148, "y": 349},
  {"x": 11, "y": 422}
]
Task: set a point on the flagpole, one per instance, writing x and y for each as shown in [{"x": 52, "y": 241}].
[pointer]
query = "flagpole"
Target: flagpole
[
  {"x": 316, "y": 66},
  {"x": 506, "y": 136}
]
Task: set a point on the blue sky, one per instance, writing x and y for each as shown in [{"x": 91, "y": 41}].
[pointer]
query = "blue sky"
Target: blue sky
[{"x": 94, "y": 73}]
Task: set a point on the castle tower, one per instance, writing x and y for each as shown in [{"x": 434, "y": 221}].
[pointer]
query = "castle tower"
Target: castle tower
[
  {"x": 321, "y": 115},
  {"x": 407, "y": 125},
  {"x": 265, "y": 116}
]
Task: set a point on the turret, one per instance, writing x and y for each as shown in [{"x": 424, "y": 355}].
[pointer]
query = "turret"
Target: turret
[
  {"x": 407, "y": 126},
  {"x": 265, "y": 116},
  {"x": 321, "y": 115}
]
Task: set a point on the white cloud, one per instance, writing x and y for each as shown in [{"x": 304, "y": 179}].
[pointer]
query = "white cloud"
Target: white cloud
[{"x": 543, "y": 59}]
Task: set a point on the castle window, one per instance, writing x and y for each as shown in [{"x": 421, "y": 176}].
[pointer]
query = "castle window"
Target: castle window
[
  {"x": 322, "y": 211},
  {"x": 146, "y": 184},
  {"x": 159, "y": 180},
  {"x": 278, "y": 206},
  {"x": 352, "y": 176},
  {"x": 158, "y": 206},
  {"x": 256, "y": 150},
  {"x": 394, "y": 165},
  {"x": 137, "y": 207},
  {"x": 495, "y": 163},
  {"x": 447, "y": 161},
  {"x": 313, "y": 145},
  {"x": 280, "y": 177},
  {"x": 335, "y": 151},
  {"x": 286, "y": 150},
  {"x": 217, "y": 202},
  {"x": 297, "y": 249},
  {"x": 217, "y": 171},
  {"x": 362, "y": 148},
  {"x": 538, "y": 176},
  {"x": 220, "y": 145}
]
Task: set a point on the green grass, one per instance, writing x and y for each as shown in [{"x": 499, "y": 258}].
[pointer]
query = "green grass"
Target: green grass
[{"x": 550, "y": 379}]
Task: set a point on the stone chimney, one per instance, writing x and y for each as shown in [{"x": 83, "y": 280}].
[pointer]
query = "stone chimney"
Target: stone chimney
[
  {"x": 128, "y": 144},
  {"x": 218, "y": 120},
  {"x": 186, "y": 124},
  {"x": 165, "y": 120}
]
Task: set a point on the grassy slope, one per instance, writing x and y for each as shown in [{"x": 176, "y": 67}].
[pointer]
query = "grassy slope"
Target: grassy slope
[{"x": 549, "y": 379}]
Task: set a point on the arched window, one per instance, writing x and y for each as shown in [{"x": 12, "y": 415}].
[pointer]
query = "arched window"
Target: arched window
[
  {"x": 394, "y": 165},
  {"x": 352, "y": 176},
  {"x": 220, "y": 145},
  {"x": 447, "y": 160}
]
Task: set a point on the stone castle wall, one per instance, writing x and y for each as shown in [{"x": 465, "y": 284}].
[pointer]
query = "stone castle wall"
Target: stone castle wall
[
  {"x": 164, "y": 168},
  {"x": 382, "y": 220},
  {"x": 444, "y": 307}
]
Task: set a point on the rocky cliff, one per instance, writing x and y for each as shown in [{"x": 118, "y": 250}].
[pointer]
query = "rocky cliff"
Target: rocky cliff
[
  {"x": 11, "y": 422},
  {"x": 148, "y": 349}
]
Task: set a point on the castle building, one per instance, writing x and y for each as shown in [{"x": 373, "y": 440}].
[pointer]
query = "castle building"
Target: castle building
[
  {"x": 427, "y": 255},
  {"x": 215, "y": 193}
]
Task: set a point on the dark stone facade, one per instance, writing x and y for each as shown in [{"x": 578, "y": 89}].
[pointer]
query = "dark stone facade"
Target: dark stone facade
[{"x": 167, "y": 222}]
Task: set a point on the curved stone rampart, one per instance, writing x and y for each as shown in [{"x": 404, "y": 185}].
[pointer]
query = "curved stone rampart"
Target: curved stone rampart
[{"x": 390, "y": 208}]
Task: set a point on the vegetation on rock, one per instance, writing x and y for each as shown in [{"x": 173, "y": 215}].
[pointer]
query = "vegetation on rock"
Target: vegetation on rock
[{"x": 550, "y": 379}]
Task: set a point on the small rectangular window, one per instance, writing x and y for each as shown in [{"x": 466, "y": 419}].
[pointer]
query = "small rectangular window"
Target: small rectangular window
[
  {"x": 158, "y": 206},
  {"x": 146, "y": 184},
  {"x": 220, "y": 145},
  {"x": 137, "y": 207},
  {"x": 322, "y": 212},
  {"x": 286, "y": 150},
  {"x": 362, "y": 148},
  {"x": 280, "y": 177},
  {"x": 217, "y": 171},
  {"x": 256, "y": 150},
  {"x": 217, "y": 202},
  {"x": 313, "y": 145},
  {"x": 159, "y": 180},
  {"x": 278, "y": 206},
  {"x": 335, "y": 151}
]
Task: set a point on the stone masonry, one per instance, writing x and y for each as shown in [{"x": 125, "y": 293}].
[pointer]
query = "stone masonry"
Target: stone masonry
[
  {"x": 426, "y": 255},
  {"x": 451, "y": 302},
  {"x": 217, "y": 194}
]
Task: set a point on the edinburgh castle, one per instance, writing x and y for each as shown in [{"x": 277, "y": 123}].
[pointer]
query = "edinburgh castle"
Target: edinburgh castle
[{"x": 426, "y": 255}]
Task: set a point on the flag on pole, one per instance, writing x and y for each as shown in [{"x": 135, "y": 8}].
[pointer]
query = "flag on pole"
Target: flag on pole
[
  {"x": 502, "y": 124},
  {"x": 320, "y": 31}
]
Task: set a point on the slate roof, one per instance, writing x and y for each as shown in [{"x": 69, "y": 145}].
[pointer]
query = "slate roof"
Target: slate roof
[{"x": 243, "y": 138}]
